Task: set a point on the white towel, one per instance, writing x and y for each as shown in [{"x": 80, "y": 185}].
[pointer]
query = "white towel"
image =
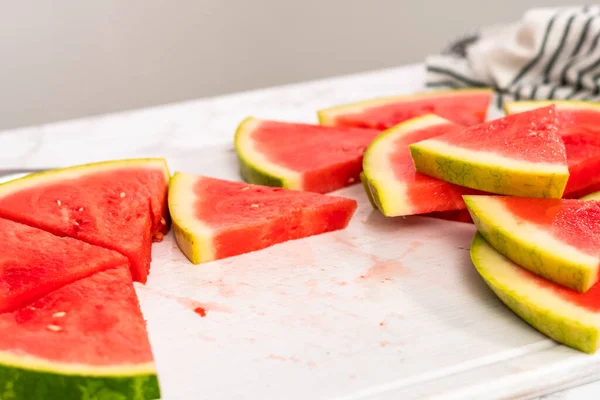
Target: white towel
[{"x": 551, "y": 53}]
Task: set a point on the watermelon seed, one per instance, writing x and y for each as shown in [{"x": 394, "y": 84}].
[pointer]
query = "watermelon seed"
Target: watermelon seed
[
  {"x": 80, "y": 209},
  {"x": 122, "y": 194},
  {"x": 254, "y": 205},
  {"x": 162, "y": 221},
  {"x": 246, "y": 188},
  {"x": 54, "y": 328},
  {"x": 58, "y": 202},
  {"x": 351, "y": 180},
  {"x": 59, "y": 314}
]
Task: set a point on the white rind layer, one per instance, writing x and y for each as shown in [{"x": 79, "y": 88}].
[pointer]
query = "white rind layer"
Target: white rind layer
[
  {"x": 196, "y": 237},
  {"x": 379, "y": 170},
  {"x": 33, "y": 363},
  {"x": 247, "y": 150},
  {"x": 522, "y": 106},
  {"x": 492, "y": 159}
]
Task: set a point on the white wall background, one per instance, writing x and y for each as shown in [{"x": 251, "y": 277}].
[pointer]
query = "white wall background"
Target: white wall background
[{"x": 71, "y": 58}]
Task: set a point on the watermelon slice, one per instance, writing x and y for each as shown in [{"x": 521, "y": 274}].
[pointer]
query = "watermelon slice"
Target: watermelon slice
[
  {"x": 579, "y": 126},
  {"x": 87, "y": 340},
  {"x": 394, "y": 184},
  {"x": 520, "y": 155},
  {"x": 300, "y": 156},
  {"x": 464, "y": 107},
  {"x": 119, "y": 205},
  {"x": 34, "y": 262},
  {"x": 562, "y": 314},
  {"x": 558, "y": 239},
  {"x": 214, "y": 218}
]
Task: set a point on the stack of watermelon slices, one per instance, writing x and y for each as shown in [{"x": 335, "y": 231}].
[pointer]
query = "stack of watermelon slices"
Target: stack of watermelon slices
[
  {"x": 435, "y": 155},
  {"x": 73, "y": 241}
]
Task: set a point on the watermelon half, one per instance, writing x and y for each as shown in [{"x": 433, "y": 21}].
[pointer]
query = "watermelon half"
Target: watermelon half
[
  {"x": 567, "y": 316},
  {"x": 520, "y": 155},
  {"x": 34, "y": 262},
  {"x": 464, "y": 107},
  {"x": 214, "y": 218},
  {"x": 579, "y": 127},
  {"x": 300, "y": 156},
  {"x": 394, "y": 184},
  {"x": 86, "y": 340},
  {"x": 558, "y": 239},
  {"x": 120, "y": 205}
]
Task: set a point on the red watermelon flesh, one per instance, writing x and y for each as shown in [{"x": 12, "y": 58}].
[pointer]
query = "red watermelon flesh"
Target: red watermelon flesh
[
  {"x": 528, "y": 136},
  {"x": 583, "y": 157},
  {"x": 280, "y": 216},
  {"x": 465, "y": 107},
  {"x": 324, "y": 158},
  {"x": 574, "y": 222},
  {"x": 95, "y": 321},
  {"x": 115, "y": 205},
  {"x": 216, "y": 218},
  {"x": 34, "y": 262}
]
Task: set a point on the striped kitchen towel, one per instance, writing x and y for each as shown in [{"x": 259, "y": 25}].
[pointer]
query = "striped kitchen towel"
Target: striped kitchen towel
[{"x": 551, "y": 53}]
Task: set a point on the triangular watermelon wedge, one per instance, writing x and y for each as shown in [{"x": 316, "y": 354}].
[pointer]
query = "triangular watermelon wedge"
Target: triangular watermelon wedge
[
  {"x": 34, "y": 262},
  {"x": 520, "y": 155},
  {"x": 558, "y": 239},
  {"x": 579, "y": 127},
  {"x": 86, "y": 340},
  {"x": 569, "y": 317},
  {"x": 215, "y": 218},
  {"x": 465, "y": 107},
  {"x": 120, "y": 205},
  {"x": 392, "y": 181},
  {"x": 300, "y": 156}
]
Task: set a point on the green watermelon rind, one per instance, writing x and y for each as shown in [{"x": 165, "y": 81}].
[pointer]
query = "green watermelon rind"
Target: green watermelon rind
[
  {"x": 491, "y": 178},
  {"x": 252, "y": 172},
  {"x": 561, "y": 328},
  {"x": 544, "y": 264},
  {"x": 591, "y": 196},
  {"x": 367, "y": 188},
  {"x": 80, "y": 170},
  {"x": 19, "y": 383}
]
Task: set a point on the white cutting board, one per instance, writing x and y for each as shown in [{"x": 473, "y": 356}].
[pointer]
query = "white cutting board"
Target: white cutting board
[{"x": 386, "y": 309}]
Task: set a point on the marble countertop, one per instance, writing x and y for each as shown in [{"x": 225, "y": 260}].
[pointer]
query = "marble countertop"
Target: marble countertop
[{"x": 179, "y": 130}]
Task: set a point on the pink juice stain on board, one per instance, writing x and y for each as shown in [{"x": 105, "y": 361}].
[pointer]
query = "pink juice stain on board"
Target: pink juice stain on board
[
  {"x": 199, "y": 308},
  {"x": 390, "y": 269}
]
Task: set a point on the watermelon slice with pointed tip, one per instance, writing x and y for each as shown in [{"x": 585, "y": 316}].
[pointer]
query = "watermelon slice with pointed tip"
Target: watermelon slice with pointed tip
[
  {"x": 215, "y": 218},
  {"x": 579, "y": 126},
  {"x": 466, "y": 107},
  {"x": 86, "y": 340},
  {"x": 300, "y": 156},
  {"x": 520, "y": 155},
  {"x": 558, "y": 239},
  {"x": 394, "y": 184},
  {"x": 567, "y": 316},
  {"x": 34, "y": 262},
  {"x": 120, "y": 205}
]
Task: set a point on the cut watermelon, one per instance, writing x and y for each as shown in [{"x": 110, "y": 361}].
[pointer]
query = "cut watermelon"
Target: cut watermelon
[
  {"x": 396, "y": 188},
  {"x": 119, "y": 205},
  {"x": 214, "y": 218},
  {"x": 579, "y": 126},
  {"x": 34, "y": 262},
  {"x": 86, "y": 340},
  {"x": 557, "y": 239},
  {"x": 300, "y": 156},
  {"x": 562, "y": 314},
  {"x": 520, "y": 155},
  {"x": 465, "y": 107}
]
